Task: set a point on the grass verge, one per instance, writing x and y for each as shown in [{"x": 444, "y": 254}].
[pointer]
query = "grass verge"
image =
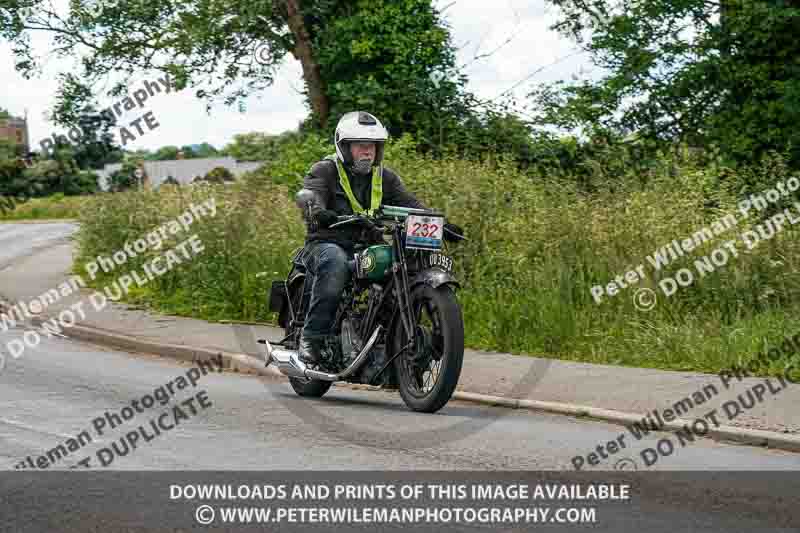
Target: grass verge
[{"x": 53, "y": 207}]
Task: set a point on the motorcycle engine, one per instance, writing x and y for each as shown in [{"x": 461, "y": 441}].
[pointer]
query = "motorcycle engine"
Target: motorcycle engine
[{"x": 352, "y": 344}]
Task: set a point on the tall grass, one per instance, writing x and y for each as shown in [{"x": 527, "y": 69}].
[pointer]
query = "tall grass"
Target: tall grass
[
  {"x": 536, "y": 249},
  {"x": 253, "y": 232}
]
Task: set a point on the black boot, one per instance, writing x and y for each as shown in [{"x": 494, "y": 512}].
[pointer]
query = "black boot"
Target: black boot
[{"x": 310, "y": 350}]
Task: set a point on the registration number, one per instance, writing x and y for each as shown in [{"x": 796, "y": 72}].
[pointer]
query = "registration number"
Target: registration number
[
  {"x": 442, "y": 261},
  {"x": 424, "y": 232}
]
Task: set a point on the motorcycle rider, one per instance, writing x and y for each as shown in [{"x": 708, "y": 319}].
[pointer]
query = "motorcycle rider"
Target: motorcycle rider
[{"x": 352, "y": 181}]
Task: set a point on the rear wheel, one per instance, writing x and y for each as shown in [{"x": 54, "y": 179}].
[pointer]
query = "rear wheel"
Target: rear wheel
[
  {"x": 309, "y": 388},
  {"x": 428, "y": 375}
]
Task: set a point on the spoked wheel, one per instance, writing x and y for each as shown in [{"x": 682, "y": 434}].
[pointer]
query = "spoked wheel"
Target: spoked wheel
[
  {"x": 310, "y": 388},
  {"x": 428, "y": 374}
]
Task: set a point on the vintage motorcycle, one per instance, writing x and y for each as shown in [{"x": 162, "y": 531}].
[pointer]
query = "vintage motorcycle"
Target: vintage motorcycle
[{"x": 399, "y": 324}]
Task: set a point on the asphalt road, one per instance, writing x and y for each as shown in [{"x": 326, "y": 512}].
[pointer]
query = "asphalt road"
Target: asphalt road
[
  {"x": 20, "y": 240},
  {"x": 62, "y": 388}
]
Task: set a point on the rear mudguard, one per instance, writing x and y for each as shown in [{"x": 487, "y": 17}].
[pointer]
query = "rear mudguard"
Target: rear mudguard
[{"x": 279, "y": 299}]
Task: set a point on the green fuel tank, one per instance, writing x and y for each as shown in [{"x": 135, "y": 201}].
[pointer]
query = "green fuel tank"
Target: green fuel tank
[{"x": 375, "y": 262}]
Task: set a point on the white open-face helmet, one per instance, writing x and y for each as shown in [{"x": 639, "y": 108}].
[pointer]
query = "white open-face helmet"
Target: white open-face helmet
[{"x": 359, "y": 126}]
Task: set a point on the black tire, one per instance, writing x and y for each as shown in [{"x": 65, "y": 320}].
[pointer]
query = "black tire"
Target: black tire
[
  {"x": 308, "y": 388},
  {"x": 446, "y": 340}
]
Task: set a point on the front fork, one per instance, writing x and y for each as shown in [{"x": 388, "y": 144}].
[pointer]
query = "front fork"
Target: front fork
[{"x": 401, "y": 288}]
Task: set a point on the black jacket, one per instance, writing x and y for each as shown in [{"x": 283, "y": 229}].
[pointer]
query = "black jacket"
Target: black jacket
[{"x": 323, "y": 178}]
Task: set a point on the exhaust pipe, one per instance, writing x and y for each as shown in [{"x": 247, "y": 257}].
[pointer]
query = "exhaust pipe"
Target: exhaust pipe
[{"x": 289, "y": 362}]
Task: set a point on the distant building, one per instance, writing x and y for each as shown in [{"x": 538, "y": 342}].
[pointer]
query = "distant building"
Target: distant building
[
  {"x": 15, "y": 130},
  {"x": 183, "y": 170}
]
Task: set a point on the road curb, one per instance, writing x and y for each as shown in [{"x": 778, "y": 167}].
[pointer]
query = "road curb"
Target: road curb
[
  {"x": 235, "y": 362},
  {"x": 248, "y": 364},
  {"x": 752, "y": 437}
]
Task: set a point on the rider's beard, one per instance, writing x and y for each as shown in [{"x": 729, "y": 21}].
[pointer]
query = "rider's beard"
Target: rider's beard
[{"x": 363, "y": 165}]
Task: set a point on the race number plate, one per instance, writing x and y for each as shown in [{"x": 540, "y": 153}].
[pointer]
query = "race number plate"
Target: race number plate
[{"x": 424, "y": 232}]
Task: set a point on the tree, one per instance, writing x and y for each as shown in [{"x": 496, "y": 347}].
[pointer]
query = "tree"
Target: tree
[
  {"x": 10, "y": 150},
  {"x": 97, "y": 147},
  {"x": 124, "y": 178},
  {"x": 165, "y": 153},
  {"x": 393, "y": 58},
  {"x": 384, "y": 55},
  {"x": 75, "y": 108},
  {"x": 190, "y": 151},
  {"x": 61, "y": 174},
  {"x": 12, "y": 181},
  {"x": 219, "y": 175},
  {"x": 257, "y": 146},
  {"x": 195, "y": 151},
  {"x": 496, "y": 132},
  {"x": 704, "y": 72},
  {"x": 140, "y": 154}
]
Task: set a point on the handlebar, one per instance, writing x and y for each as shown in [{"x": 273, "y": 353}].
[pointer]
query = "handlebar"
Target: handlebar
[
  {"x": 342, "y": 220},
  {"x": 345, "y": 218},
  {"x": 377, "y": 222},
  {"x": 388, "y": 213}
]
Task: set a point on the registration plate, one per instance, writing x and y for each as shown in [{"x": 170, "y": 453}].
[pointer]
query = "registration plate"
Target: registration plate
[
  {"x": 441, "y": 261},
  {"x": 424, "y": 232}
]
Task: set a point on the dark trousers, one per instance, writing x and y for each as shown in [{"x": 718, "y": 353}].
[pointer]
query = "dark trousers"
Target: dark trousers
[{"x": 327, "y": 265}]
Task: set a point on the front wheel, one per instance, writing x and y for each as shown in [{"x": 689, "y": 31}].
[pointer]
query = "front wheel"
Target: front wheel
[{"x": 428, "y": 374}]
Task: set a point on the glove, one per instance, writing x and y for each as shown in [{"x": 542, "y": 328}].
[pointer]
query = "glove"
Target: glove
[
  {"x": 450, "y": 229},
  {"x": 374, "y": 234},
  {"x": 326, "y": 218}
]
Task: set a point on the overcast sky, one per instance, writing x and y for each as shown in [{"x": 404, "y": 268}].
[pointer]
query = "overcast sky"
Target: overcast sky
[{"x": 478, "y": 27}]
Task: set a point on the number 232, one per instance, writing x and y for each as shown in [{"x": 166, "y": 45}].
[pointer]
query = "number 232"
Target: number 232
[{"x": 428, "y": 230}]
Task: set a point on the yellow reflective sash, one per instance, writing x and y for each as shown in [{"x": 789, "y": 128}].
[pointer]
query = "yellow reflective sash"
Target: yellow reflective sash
[{"x": 377, "y": 190}]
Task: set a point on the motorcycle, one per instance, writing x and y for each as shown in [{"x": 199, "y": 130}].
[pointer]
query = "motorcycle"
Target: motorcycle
[{"x": 399, "y": 324}]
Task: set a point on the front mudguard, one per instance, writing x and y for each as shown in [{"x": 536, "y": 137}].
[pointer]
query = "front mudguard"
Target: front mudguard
[{"x": 435, "y": 277}]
